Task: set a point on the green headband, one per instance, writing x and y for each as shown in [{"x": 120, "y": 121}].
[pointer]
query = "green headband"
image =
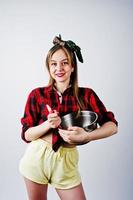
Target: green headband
[{"x": 69, "y": 44}]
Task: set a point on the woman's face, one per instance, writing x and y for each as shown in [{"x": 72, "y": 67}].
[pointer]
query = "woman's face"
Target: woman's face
[{"x": 60, "y": 68}]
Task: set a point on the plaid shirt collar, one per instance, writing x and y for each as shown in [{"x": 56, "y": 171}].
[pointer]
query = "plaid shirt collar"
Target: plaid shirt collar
[{"x": 52, "y": 88}]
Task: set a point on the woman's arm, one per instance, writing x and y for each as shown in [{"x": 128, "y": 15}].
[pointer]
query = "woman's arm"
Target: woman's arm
[
  {"x": 106, "y": 130},
  {"x": 35, "y": 132},
  {"x": 79, "y": 135}
]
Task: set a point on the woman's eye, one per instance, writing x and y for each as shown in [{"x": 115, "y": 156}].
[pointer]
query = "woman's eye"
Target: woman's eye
[
  {"x": 65, "y": 63},
  {"x": 53, "y": 64}
]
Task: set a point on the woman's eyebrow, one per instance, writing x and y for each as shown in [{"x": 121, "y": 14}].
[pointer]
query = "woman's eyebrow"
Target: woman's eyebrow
[{"x": 61, "y": 60}]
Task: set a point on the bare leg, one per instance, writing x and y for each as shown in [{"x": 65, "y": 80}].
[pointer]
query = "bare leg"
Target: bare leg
[
  {"x": 36, "y": 191},
  {"x": 76, "y": 193}
]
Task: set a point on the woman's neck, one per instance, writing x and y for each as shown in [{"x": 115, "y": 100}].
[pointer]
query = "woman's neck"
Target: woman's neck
[{"x": 61, "y": 87}]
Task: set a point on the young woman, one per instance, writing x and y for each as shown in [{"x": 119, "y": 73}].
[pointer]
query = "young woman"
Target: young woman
[{"x": 52, "y": 156}]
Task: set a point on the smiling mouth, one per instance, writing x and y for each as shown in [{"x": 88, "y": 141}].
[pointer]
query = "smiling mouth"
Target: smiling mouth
[{"x": 60, "y": 74}]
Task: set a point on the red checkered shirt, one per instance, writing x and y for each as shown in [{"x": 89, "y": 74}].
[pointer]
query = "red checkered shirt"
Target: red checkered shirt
[{"x": 36, "y": 111}]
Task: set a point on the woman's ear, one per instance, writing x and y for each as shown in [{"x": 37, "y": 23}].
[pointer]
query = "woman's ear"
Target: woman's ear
[{"x": 72, "y": 69}]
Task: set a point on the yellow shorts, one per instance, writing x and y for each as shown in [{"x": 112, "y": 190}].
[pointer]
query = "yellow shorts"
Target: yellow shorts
[{"x": 42, "y": 165}]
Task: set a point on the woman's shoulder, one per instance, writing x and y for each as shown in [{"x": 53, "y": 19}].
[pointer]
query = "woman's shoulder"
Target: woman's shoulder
[
  {"x": 86, "y": 90},
  {"x": 40, "y": 90}
]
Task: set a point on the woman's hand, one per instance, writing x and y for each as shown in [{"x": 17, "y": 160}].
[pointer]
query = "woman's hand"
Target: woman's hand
[
  {"x": 53, "y": 119},
  {"x": 74, "y": 135}
]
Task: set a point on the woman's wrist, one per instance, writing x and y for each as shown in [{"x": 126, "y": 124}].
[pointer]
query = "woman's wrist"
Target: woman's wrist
[
  {"x": 46, "y": 125},
  {"x": 87, "y": 137}
]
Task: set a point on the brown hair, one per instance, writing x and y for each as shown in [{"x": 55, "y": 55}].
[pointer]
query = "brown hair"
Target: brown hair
[{"x": 74, "y": 76}]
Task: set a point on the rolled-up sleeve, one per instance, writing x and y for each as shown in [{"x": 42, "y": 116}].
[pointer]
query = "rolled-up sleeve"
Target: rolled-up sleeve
[
  {"x": 98, "y": 107},
  {"x": 29, "y": 118}
]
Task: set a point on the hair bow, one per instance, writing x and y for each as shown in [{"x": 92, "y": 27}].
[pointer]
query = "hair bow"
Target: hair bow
[{"x": 71, "y": 45}]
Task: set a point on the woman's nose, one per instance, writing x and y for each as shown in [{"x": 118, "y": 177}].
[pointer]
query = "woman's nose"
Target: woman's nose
[{"x": 59, "y": 66}]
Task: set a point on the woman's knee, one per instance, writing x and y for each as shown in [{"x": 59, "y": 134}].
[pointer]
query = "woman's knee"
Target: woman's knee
[{"x": 76, "y": 192}]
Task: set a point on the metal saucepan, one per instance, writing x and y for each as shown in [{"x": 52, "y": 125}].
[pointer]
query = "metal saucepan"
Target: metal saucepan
[{"x": 85, "y": 119}]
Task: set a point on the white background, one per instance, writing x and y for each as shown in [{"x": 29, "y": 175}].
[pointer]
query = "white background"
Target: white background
[{"x": 104, "y": 30}]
